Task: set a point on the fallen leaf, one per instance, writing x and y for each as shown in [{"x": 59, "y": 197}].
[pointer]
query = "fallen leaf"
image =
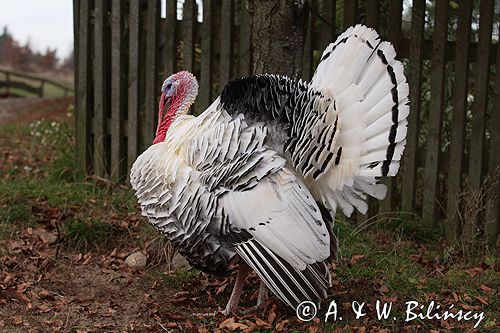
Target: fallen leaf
[
  {"x": 481, "y": 300},
  {"x": 281, "y": 325},
  {"x": 470, "y": 307},
  {"x": 44, "y": 294},
  {"x": 232, "y": 325},
  {"x": 485, "y": 288},
  {"x": 356, "y": 258},
  {"x": 262, "y": 323},
  {"x": 271, "y": 314},
  {"x": 181, "y": 294},
  {"x": 17, "y": 320}
]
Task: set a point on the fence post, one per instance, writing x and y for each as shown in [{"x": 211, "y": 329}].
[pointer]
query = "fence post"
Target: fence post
[
  {"x": 327, "y": 34},
  {"x": 394, "y": 36},
  {"x": 133, "y": 84},
  {"x": 100, "y": 88},
  {"x": 457, "y": 144},
  {"x": 307, "y": 62},
  {"x": 82, "y": 114},
  {"x": 350, "y": 13},
  {"x": 207, "y": 42},
  {"x": 7, "y": 81},
  {"x": 481, "y": 96},
  {"x": 372, "y": 13},
  {"x": 42, "y": 85},
  {"x": 226, "y": 47},
  {"x": 189, "y": 24},
  {"x": 415, "y": 83},
  {"x": 153, "y": 16},
  {"x": 493, "y": 210},
  {"x": 431, "y": 176},
  {"x": 245, "y": 50},
  {"x": 116, "y": 91}
]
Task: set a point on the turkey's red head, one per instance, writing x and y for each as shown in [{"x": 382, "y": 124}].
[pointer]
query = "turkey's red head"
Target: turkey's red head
[{"x": 178, "y": 92}]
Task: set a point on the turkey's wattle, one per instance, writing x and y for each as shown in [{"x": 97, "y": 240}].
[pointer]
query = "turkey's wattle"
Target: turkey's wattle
[{"x": 256, "y": 178}]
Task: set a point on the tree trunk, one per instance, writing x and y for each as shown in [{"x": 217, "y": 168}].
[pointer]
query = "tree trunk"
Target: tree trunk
[{"x": 278, "y": 32}]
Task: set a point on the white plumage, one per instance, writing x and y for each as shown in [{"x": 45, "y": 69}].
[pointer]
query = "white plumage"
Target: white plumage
[{"x": 253, "y": 177}]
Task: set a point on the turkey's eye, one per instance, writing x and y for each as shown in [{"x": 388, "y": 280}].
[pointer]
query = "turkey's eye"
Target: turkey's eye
[{"x": 169, "y": 86}]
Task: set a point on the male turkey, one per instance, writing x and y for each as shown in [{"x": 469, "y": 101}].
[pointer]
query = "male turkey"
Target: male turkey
[{"x": 256, "y": 178}]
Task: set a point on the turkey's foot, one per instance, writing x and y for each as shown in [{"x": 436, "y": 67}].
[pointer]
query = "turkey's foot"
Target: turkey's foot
[
  {"x": 261, "y": 300},
  {"x": 234, "y": 300}
]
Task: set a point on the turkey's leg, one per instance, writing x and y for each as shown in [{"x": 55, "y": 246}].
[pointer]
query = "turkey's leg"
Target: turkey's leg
[
  {"x": 232, "y": 304},
  {"x": 261, "y": 299}
]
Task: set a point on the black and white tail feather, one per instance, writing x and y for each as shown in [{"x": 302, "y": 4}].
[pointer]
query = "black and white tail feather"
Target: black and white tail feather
[
  {"x": 341, "y": 132},
  {"x": 291, "y": 285},
  {"x": 361, "y": 74},
  {"x": 346, "y": 128}
]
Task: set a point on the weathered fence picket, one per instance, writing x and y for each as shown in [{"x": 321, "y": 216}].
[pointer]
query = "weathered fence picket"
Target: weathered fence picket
[
  {"x": 124, "y": 49},
  {"x": 480, "y": 99},
  {"x": 433, "y": 149},
  {"x": 456, "y": 164},
  {"x": 409, "y": 167}
]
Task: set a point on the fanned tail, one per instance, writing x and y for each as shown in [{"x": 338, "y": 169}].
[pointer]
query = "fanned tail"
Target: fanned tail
[{"x": 370, "y": 93}]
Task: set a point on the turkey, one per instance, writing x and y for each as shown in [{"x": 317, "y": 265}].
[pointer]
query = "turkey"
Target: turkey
[{"x": 256, "y": 179}]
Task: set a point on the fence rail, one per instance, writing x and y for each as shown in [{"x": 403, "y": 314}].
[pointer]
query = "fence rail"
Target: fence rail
[
  {"x": 14, "y": 84},
  {"x": 124, "y": 49}
]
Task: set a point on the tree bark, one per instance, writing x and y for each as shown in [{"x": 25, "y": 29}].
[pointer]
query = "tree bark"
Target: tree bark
[{"x": 278, "y": 32}]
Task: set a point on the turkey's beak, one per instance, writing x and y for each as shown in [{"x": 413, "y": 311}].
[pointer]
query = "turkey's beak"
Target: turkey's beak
[{"x": 165, "y": 102}]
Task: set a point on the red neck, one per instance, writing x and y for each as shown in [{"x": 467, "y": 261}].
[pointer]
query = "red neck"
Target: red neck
[{"x": 165, "y": 119}]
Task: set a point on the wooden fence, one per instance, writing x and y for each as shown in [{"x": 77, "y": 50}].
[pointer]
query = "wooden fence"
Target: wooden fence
[
  {"x": 14, "y": 84},
  {"x": 124, "y": 49}
]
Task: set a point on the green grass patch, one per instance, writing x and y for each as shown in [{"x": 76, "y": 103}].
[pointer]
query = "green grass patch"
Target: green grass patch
[
  {"x": 87, "y": 234},
  {"x": 179, "y": 277}
]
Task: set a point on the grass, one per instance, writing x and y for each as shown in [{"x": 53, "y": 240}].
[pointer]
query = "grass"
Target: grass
[
  {"x": 407, "y": 258},
  {"x": 387, "y": 257},
  {"x": 41, "y": 174}
]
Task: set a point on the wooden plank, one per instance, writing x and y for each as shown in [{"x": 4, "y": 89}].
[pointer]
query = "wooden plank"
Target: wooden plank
[
  {"x": 481, "y": 95},
  {"x": 492, "y": 227},
  {"x": 189, "y": 23},
  {"x": 171, "y": 40},
  {"x": 307, "y": 64},
  {"x": 206, "y": 79},
  {"x": 394, "y": 36},
  {"x": 350, "y": 13},
  {"x": 151, "y": 82},
  {"x": 245, "y": 59},
  {"x": 372, "y": 13},
  {"x": 117, "y": 104},
  {"x": 394, "y": 24},
  {"x": 327, "y": 35},
  {"x": 38, "y": 91},
  {"x": 457, "y": 144},
  {"x": 430, "y": 191},
  {"x": 133, "y": 84},
  {"x": 163, "y": 36},
  {"x": 82, "y": 114},
  {"x": 226, "y": 47},
  {"x": 76, "y": 26},
  {"x": 100, "y": 89}
]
